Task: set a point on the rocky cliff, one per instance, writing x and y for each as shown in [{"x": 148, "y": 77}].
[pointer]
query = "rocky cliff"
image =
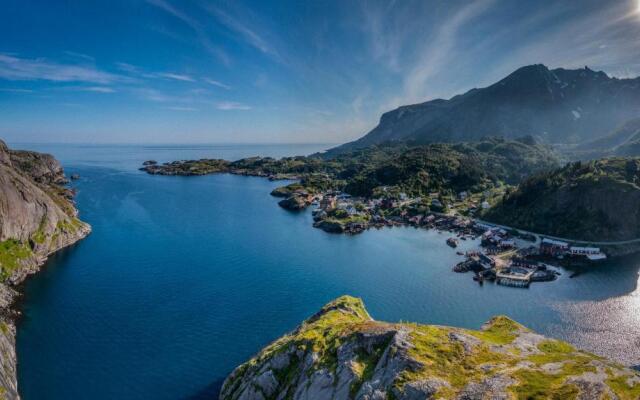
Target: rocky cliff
[
  {"x": 37, "y": 218},
  {"x": 342, "y": 353}
]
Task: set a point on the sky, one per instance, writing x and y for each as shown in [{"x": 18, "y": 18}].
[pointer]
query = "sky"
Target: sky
[{"x": 198, "y": 71}]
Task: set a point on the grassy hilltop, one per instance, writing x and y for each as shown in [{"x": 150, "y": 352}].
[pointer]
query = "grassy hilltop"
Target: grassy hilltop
[{"x": 342, "y": 353}]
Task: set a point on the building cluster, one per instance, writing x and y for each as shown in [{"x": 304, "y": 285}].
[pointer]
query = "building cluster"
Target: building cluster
[
  {"x": 505, "y": 256},
  {"x": 560, "y": 249},
  {"x": 513, "y": 262}
]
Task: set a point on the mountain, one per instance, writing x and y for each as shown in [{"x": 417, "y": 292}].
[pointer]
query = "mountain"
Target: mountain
[
  {"x": 341, "y": 353},
  {"x": 624, "y": 141},
  {"x": 558, "y": 106},
  {"x": 37, "y": 218},
  {"x": 594, "y": 200}
]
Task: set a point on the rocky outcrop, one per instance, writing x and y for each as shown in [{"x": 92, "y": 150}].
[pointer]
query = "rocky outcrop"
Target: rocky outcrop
[
  {"x": 341, "y": 353},
  {"x": 294, "y": 203},
  {"x": 37, "y": 218}
]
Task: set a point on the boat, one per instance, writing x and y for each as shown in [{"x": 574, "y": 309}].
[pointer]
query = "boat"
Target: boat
[{"x": 453, "y": 242}]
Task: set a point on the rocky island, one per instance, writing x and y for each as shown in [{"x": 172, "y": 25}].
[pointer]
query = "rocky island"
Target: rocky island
[
  {"x": 342, "y": 353},
  {"x": 37, "y": 218}
]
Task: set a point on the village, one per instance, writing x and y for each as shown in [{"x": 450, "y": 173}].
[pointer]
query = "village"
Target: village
[{"x": 504, "y": 255}]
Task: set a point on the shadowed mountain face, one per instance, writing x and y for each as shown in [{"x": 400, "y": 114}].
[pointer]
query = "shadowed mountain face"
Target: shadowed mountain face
[
  {"x": 559, "y": 106},
  {"x": 595, "y": 200}
]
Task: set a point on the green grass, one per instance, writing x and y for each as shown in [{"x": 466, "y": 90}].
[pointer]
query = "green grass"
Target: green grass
[
  {"x": 500, "y": 330},
  {"x": 365, "y": 365},
  {"x": 12, "y": 252},
  {"x": 622, "y": 389},
  {"x": 536, "y": 385},
  {"x": 70, "y": 225},
  {"x": 39, "y": 236}
]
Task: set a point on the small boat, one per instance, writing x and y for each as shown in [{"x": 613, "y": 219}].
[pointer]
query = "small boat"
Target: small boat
[
  {"x": 452, "y": 242},
  {"x": 459, "y": 253}
]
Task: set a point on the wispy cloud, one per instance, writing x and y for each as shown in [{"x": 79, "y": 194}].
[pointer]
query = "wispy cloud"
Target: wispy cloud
[
  {"x": 439, "y": 53},
  {"x": 99, "y": 89},
  {"x": 14, "y": 90},
  {"x": 196, "y": 27},
  {"x": 178, "y": 108},
  {"x": 248, "y": 34},
  {"x": 154, "y": 95},
  {"x": 231, "y": 105},
  {"x": 177, "y": 77},
  {"x": 216, "y": 83},
  {"x": 80, "y": 56},
  {"x": 14, "y": 68}
]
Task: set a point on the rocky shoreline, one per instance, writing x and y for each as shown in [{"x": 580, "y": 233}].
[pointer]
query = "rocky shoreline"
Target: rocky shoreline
[{"x": 38, "y": 219}]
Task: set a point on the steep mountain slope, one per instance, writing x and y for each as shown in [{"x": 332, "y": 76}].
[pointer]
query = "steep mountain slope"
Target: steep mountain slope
[
  {"x": 596, "y": 200},
  {"x": 624, "y": 141},
  {"x": 341, "y": 353},
  {"x": 37, "y": 218},
  {"x": 559, "y": 106}
]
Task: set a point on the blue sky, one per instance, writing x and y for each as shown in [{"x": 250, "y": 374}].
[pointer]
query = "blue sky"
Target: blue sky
[{"x": 169, "y": 71}]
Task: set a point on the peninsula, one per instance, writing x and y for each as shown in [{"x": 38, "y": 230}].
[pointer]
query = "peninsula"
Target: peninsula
[{"x": 37, "y": 218}]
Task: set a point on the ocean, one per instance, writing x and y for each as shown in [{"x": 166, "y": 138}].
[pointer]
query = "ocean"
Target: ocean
[{"x": 184, "y": 278}]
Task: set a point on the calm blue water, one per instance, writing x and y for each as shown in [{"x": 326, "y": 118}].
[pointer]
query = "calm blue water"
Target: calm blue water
[{"x": 182, "y": 279}]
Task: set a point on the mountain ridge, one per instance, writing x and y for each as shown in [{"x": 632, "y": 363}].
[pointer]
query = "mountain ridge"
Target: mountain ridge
[{"x": 557, "y": 106}]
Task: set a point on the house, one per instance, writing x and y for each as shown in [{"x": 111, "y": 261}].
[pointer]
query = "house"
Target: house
[
  {"x": 507, "y": 244},
  {"x": 483, "y": 227},
  {"x": 524, "y": 263},
  {"x": 553, "y": 248},
  {"x": 462, "y": 196},
  {"x": 591, "y": 253},
  {"x": 486, "y": 261},
  {"x": 328, "y": 203},
  {"x": 484, "y": 205}
]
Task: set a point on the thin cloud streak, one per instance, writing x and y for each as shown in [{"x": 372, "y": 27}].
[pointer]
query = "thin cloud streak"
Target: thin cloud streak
[
  {"x": 196, "y": 27},
  {"x": 217, "y": 83},
  {"x": 177, "y": 108},
  {"x": 231, "y": 105},
  {"x": 177, "y": 77},
  {"x": 22, "y": 69},
  {"x": 246, "y": 33}
]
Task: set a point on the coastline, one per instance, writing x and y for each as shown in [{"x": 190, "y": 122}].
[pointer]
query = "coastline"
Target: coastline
[
  {"x": 11, "y": 294},
  {"x": 506, "y": 256},
  {"x": 39, "y": 218}
]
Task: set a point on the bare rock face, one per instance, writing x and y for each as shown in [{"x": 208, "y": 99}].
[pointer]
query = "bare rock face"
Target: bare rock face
[
  {"x": 37, "y": 218},
  {"x": 340, "y": 353},
  {"x": 42, "y": 168}
]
